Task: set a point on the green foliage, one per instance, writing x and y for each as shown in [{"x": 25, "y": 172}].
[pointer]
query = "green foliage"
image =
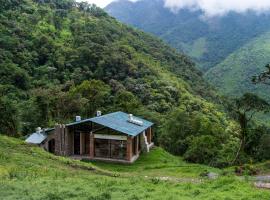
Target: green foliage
[
  {"x": 264, "y": 147},
  {"x": 61, "y": 58},
  {"x": 9, "y": 121},
  {"x": 245, "y": 62},
  {"x": 200, "y": 138},
  {"x": 244, "y": 110},
  {"x": 126, "y": 102},
  {"x": 95, "y": 92},
  {"x": 202, "y": 149}
]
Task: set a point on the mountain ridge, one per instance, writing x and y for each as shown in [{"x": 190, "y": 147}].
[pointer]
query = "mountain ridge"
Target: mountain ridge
[{"x": 221, "y": 35}]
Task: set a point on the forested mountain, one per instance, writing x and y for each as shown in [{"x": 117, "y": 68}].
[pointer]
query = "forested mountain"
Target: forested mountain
[
  {"x": 59, "y": 59},
  {"x": 207, "y": 40},
  {"x": 233, "y": 75}
]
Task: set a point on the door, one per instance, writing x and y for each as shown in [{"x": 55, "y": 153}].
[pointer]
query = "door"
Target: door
[
  {"x": 51, "y": 145},
  {"x": 77, "y": 143}
]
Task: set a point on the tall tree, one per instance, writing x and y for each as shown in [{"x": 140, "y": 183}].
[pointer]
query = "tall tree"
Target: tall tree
[
  {"x": 9, "y": 120},
  {"x": 244, "y": 109}
]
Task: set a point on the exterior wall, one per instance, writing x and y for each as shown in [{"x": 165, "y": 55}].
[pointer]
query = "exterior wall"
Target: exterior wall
[
  {"x": 92, "y": 147},
  {"x": 64, "y": 143},
  {"x": 129, "y": 148}
]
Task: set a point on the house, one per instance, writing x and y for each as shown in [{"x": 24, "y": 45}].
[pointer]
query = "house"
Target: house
[{"x": 117, "y": 136}]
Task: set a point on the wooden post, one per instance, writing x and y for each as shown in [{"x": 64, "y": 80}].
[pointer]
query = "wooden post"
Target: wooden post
[
  {"x": 92, "y": 152},
  {"x": 81, "y": 143},
  {"x": 129, "y": 148},
  {"x": 150, "y": 135},
  {"x": 57, "y": 137},
  {"x": 137, "y": 144}
]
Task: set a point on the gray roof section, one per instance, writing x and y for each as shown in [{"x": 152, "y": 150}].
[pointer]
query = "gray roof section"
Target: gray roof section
[
  {"x": 119, "y": 121},
  {"x": 36, "y": 138}
]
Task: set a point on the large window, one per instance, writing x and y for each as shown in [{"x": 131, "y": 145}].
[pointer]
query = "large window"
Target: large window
[{"x": 115, "y": 149}]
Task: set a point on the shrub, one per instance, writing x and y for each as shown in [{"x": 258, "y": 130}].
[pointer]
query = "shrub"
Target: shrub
[{"x": 202, "y": 149}]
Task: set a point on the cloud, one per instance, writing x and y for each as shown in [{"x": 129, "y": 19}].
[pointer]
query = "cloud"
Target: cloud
[{"x": 219, "y": 7}]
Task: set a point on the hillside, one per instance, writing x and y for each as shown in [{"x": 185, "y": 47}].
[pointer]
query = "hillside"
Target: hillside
[
  {"x": 61, "y": 59},
  {"x": 30, "y": 173},
  {"x": 233, "y": 76},
  {"x": 207, "y": 41}
]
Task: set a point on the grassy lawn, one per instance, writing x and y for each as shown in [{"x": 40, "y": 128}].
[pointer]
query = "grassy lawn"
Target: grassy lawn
[
  {"x": 30, "y": 173},
  {"x": 158, "y": 163}
]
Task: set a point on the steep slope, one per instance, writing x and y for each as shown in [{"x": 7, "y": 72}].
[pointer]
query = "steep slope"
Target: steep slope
[
  {"x": 233, "y": 76},
  {"x": 207, "y": 41},
  {"x": 28, "y": 172},
  {"x": 48, "y": 48}
]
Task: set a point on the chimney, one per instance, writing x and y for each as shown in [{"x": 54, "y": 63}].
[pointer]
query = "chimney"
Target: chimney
[
  {"x": 78, "y": 118},
  {"x": 98, "y": 113},
  {"x": 38, "y": 130}
]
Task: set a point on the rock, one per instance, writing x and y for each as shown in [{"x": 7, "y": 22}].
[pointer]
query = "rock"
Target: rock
[
  {"x": 262, "y": 185},
  {"x": 212, "y": 175}
]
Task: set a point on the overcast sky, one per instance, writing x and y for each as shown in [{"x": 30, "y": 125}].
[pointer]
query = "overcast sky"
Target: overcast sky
[{"x": 210, "y": 7}]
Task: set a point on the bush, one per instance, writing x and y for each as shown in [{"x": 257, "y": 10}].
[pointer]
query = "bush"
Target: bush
[
  {"x": 264, "y": 147},
  {"x": 246, "y": 170},
  {"x": 202, "y": 149}
]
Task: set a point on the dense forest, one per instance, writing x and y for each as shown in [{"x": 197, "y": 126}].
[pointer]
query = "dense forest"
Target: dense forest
[
  {"x": 59, "y": 59},
  {"x": 245, "y": 62},
  {"x": 224, "y": 47}
]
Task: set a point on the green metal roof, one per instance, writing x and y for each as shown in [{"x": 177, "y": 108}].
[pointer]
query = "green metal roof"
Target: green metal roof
[{"x": 119, "y": 121}]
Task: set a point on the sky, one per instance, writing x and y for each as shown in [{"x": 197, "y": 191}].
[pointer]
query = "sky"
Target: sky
[{"x": 210, "y": 7}]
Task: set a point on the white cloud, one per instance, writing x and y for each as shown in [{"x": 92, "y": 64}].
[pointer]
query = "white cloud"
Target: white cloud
[
  {"x": 209, "y": 7},
  {"x": 219, "y": 7}
]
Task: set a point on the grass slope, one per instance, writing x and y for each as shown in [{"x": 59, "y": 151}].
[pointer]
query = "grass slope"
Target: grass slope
[
  {"x": 30, "y": 173},
  {"x": 233, "y": 76}
]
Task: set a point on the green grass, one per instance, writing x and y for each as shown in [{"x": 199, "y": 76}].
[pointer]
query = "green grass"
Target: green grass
[
  {"x": 158, "y": 163},
  {"x": 30, "y": 173}
]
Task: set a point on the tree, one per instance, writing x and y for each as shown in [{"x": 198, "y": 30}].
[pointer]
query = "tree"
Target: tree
[
  {"x": 9, "y": 121},
  {"x": 244, "y": 109},
  {"x": 95, "y": 91},
  {"x": 126, "y": 102},
  {"x": 202, "y": 149},
  {"x": 263, "y": 77}
]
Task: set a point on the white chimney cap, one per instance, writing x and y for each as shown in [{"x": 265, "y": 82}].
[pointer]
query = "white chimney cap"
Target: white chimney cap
[
  {"x": 78, "y": 118},
  {"x": 98, "y": 113},
  {"x": 38, "y": 130}
]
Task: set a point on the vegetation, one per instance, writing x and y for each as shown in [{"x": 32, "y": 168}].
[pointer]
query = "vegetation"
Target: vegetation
[
  {"x": 263, "y": 77},
  {"x": 49, "y": 48},
  {"x": 61, "y": 59},
  {"x": 245, "y": 108},
  {"x": 245, "y": 62},
  {"x": 30, "y": 173}
]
